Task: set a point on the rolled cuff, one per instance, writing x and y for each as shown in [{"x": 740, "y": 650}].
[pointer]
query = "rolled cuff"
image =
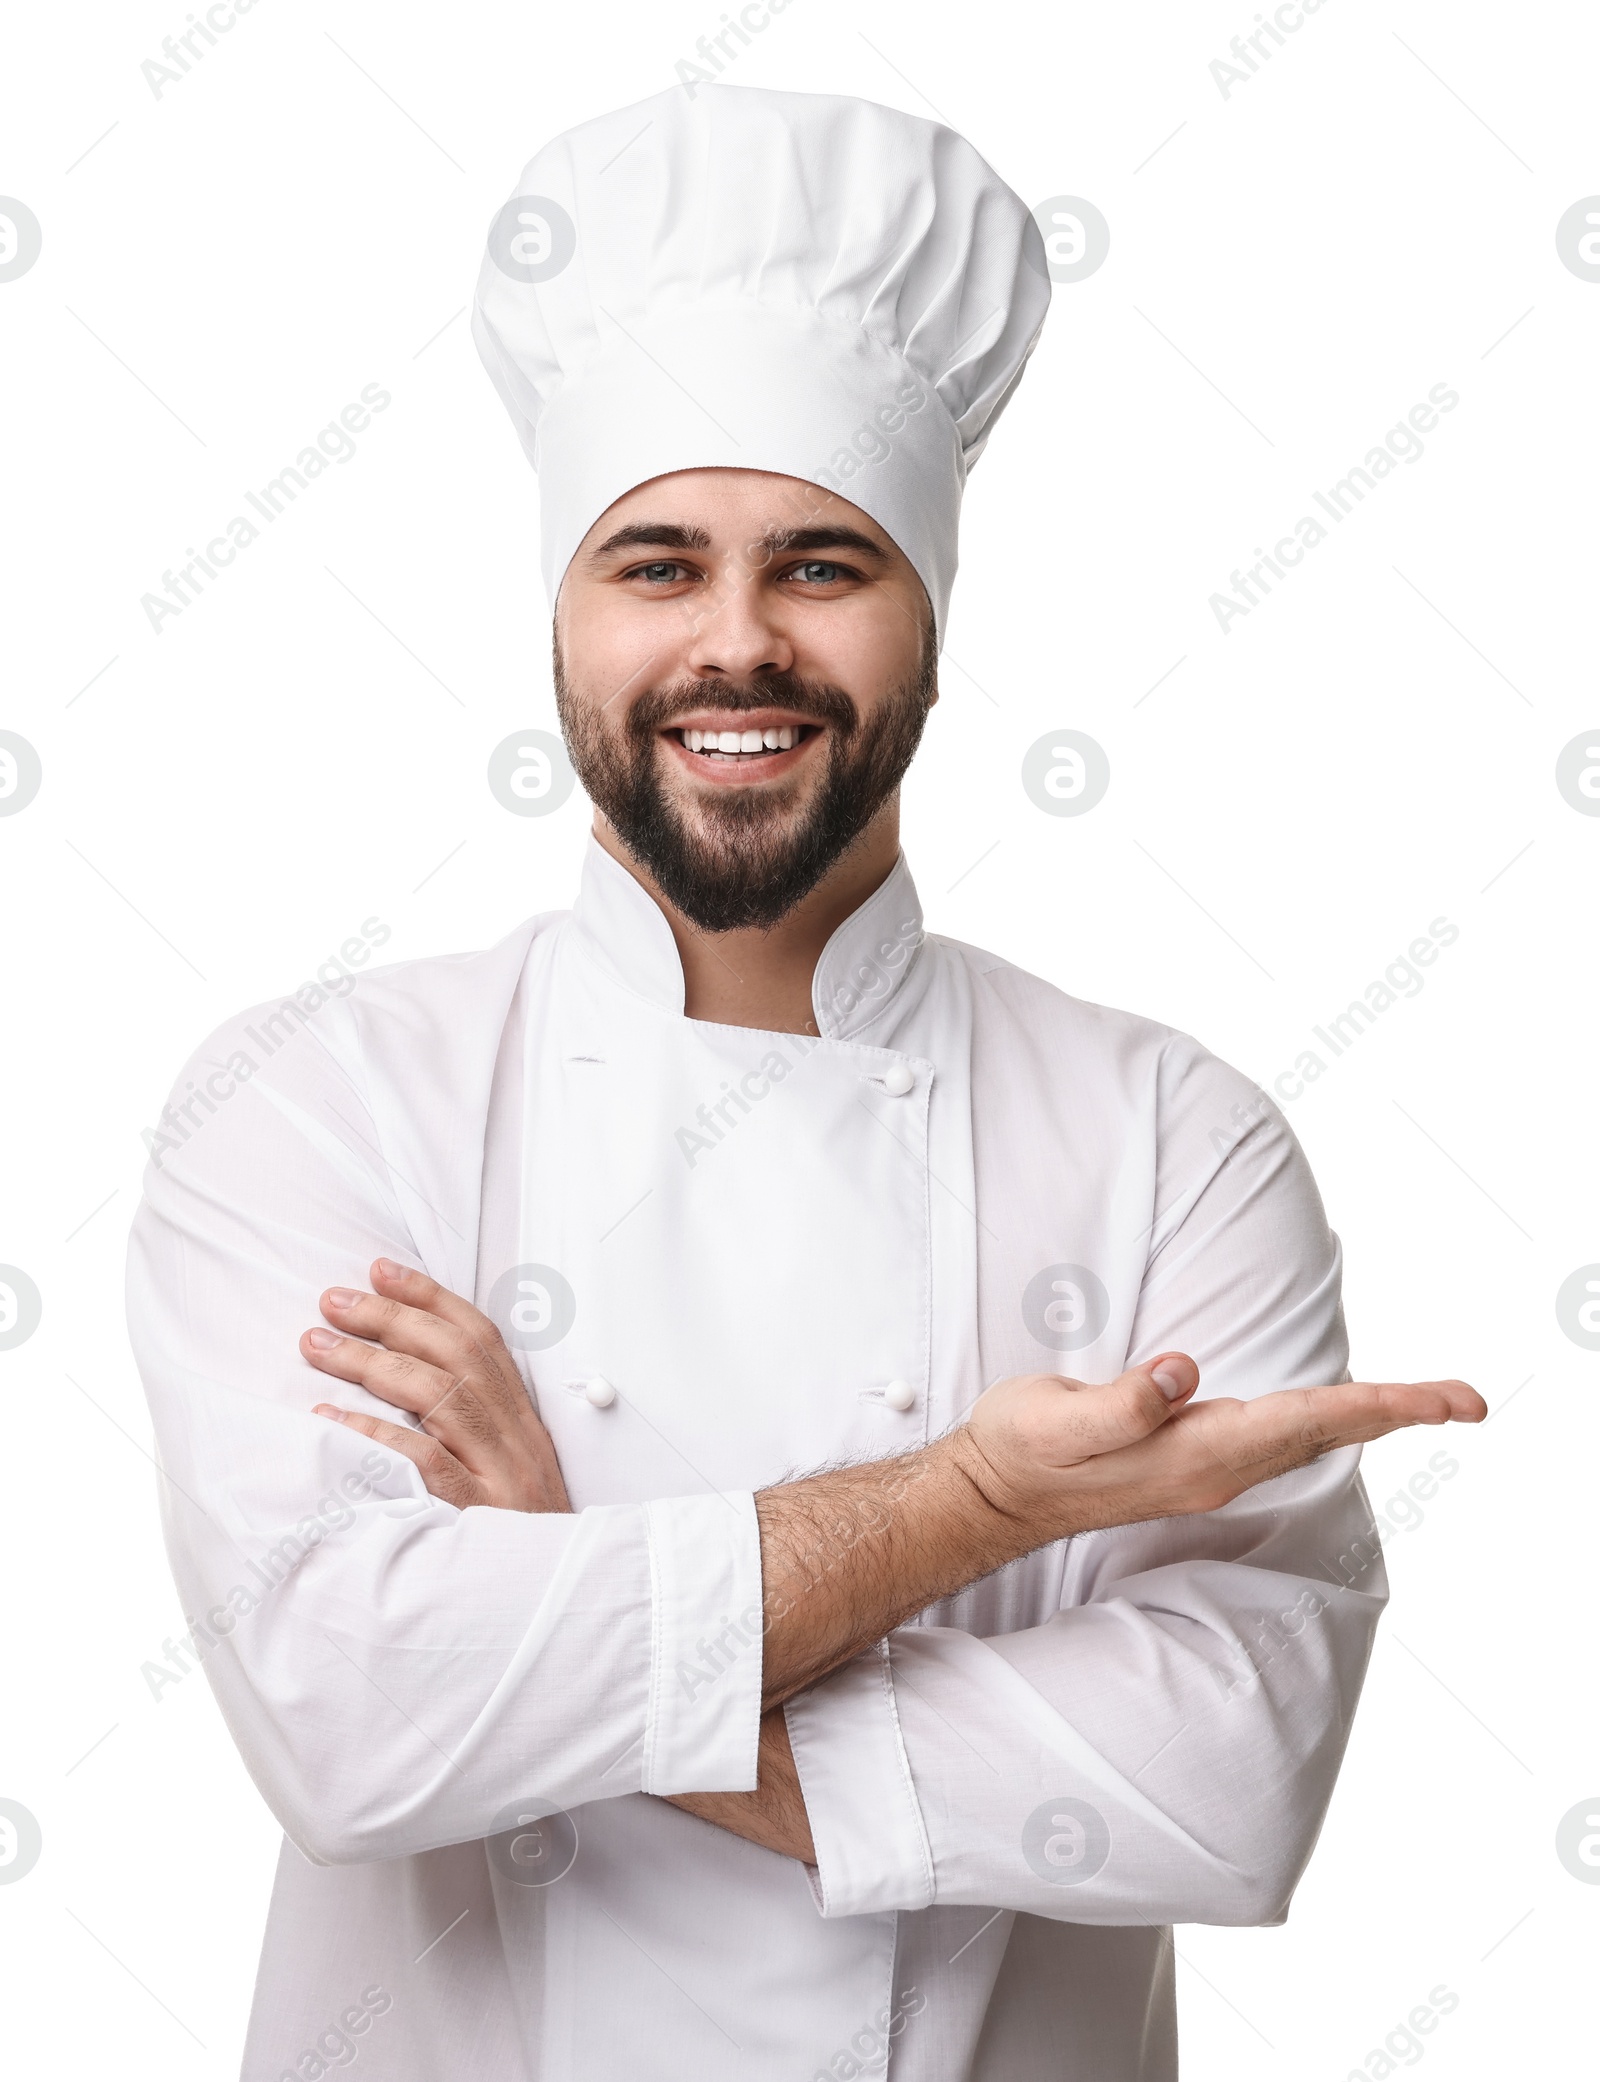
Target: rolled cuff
[
  {"x": 872, "y": 1850},
  {"x": 704, "y": 1717}
]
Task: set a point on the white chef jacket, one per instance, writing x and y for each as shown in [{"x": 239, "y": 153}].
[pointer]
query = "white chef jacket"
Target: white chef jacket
[{"x": 749, "y": 1236}]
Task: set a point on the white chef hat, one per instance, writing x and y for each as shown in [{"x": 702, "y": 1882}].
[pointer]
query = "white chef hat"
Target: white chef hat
[{"x": 799, "y": 283}]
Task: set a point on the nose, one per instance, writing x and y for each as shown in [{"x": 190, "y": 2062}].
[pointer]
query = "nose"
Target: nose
[{"x": 738, "y": 632}]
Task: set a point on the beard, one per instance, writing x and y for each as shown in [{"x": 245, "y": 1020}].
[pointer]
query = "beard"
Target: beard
[{"x": 744, "y": 857}]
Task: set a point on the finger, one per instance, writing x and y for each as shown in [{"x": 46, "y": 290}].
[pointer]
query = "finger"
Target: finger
[
  {"x": 1274, "y": 1433},
  {"x": 403, "y": 1283},
  {"x": 1464, "y": 1405},
  {"x": 1175, "y": 1374},
  {"x": 442, "y": 1474},
  {"x": 398, "y": 1327},
  {"x": 1091, "y": 1420},
  {"x": 1140, "y": 1400},
  {"x": 410, "y": 1384},
  {"x": 1348, "y": 1412},
  {"x": 464, "y": 1344}
]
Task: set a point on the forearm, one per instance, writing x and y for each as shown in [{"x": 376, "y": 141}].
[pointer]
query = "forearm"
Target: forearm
[
  {"x": 845, "y": 1558},
  {"x": 848, "y": 1556},
  {"x": 774, "y": 1815}
]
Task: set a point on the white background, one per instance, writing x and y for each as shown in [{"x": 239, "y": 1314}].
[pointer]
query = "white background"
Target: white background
[{"x": 1373, "y": 213}]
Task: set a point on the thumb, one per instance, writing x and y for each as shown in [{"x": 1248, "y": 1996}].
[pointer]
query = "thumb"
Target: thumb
[
  {"x": 1141, "y": 1399},
  {"x": 1078, "y": 1421},
  {"x": 1174, "y": 1374}
]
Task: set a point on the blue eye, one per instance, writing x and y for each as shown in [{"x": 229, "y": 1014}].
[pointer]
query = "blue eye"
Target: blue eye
[
  {"x": 819, "y": 574},
  {"x": 661, "y": 574}
]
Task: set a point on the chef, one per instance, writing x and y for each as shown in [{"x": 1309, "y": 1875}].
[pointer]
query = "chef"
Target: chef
[{"x": 763, "y": 1493}]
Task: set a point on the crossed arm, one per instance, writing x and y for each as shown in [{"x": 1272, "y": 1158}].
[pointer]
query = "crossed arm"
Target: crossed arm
[{"x": 849, "y": 1555}]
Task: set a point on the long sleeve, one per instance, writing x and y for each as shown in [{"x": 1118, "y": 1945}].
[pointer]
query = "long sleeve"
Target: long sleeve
[
  {"x": 1164, "y": 1746},
  {"x": 397, "y": 1673}
]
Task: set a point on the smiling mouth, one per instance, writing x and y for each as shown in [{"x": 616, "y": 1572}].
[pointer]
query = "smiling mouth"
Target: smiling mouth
[{"x": 747, "y": 744}]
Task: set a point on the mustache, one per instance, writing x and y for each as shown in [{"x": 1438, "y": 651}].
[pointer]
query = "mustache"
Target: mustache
[{"x": 777, "y": 690}]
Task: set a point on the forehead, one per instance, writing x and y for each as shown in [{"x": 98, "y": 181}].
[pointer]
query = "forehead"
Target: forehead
[{"x": 729, "y": 510}]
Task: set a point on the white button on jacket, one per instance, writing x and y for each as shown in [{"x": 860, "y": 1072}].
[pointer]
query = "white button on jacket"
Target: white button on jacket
[{"x": 968, "y": 1175}]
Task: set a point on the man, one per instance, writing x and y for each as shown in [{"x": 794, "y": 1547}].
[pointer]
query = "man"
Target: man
[{"x": 609, "y": 1741}]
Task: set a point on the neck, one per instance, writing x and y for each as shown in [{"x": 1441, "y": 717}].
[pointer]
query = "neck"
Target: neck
[{"x": 761, "y": 977}]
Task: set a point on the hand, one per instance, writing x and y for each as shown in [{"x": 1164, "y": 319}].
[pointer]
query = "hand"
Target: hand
[
  {"x": 437, "y": 1356},
  {"x": 1066, "y": 1457}
]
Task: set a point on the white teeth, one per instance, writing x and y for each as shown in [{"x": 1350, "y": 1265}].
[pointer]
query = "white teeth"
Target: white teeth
[{"x": 736, "y": 743}]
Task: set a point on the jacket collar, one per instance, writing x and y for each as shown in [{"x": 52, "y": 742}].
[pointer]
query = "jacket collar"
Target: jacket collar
[{"x": 860, "y": 971}]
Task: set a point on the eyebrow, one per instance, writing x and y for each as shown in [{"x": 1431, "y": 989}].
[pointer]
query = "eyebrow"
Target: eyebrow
[
  {"x": 780, "y": 541},
  {"x": 652, "y": 535},
  {"x": 775, "y": 541}
]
